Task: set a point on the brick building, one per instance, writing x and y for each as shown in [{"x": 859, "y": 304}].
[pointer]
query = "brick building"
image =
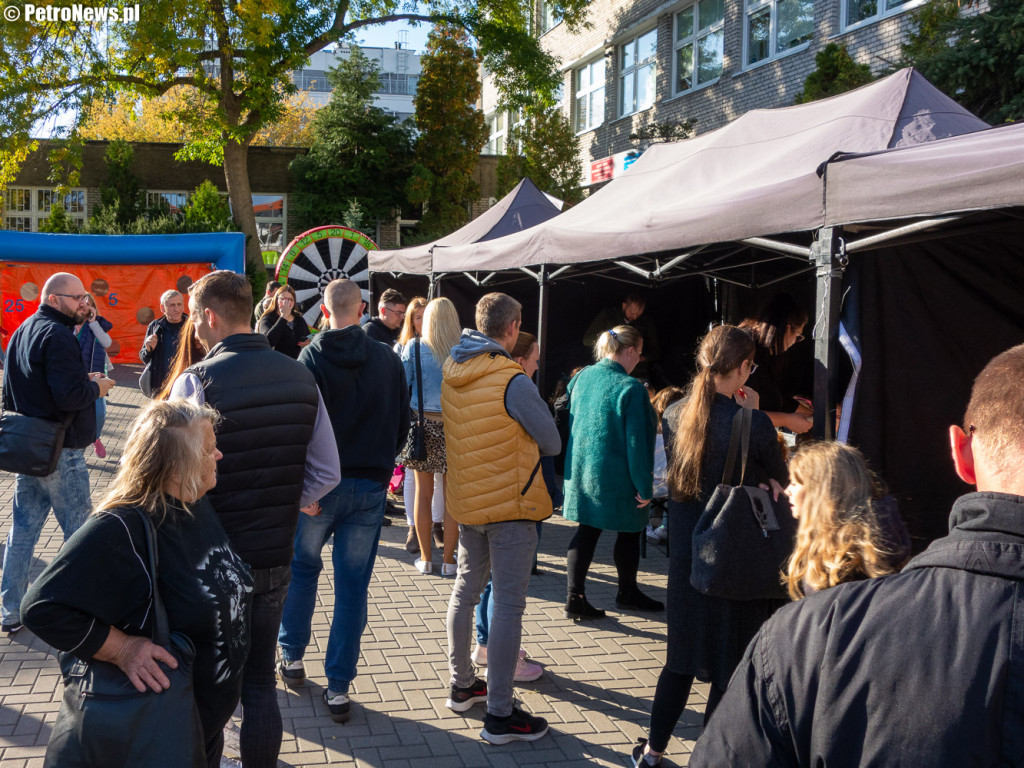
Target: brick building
[{"x": 646, "y": 61}]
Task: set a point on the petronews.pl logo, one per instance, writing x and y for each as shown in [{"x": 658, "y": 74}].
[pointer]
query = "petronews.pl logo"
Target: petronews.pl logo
[{"x": 40, "y": 14}]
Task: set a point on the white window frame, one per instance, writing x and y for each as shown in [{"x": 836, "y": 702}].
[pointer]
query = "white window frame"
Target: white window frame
[
  {"x": 497, "y": 124},
  {"x": 884, "y": 12},
  {"x": 592, "y": 90},
  {"x": 546, "y": 19},
  {"x": 155, "y": 196},
  {"x": 631, "y": 71},
  {"x": 28, "y": 217},
  {"x": 699, "y": 33},
  {"x": 751, "y": 9}
]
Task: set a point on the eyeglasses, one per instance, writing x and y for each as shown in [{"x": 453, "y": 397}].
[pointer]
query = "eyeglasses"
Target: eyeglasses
[
  {"x": 753, "y": 367},
  {"x": 799, "y": 337},
  {"x": 396, "y": 312},
  {"x": 79, "y": 297}
]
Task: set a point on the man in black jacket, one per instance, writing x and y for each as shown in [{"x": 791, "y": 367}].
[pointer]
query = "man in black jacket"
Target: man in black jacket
[
  {"x": 923, "y": 668},
  {"x": 366, "y": 394},
  {"x": 390, "y": 314},
  {"x": 161, "y": 342},
  {"x": 44, "y": 377},
  {"x": 279, "y": 456}
]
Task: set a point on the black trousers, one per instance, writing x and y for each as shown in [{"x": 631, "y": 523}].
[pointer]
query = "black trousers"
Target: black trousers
[{"x": 581, "y": 554}]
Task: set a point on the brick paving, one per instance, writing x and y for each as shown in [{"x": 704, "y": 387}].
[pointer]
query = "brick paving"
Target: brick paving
[{"x": 596, "y": 690}]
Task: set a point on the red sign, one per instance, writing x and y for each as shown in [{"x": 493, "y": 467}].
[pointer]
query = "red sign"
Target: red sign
[{"x": 602, "y": 170}]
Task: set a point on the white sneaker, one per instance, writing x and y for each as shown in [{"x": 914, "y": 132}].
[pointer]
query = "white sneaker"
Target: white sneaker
[
  {"x": 526, "y": 671},
  {"x": 480, "y": 655},
  {"x": 449, "y": 569},
  {"x": 424, "y": 566}
]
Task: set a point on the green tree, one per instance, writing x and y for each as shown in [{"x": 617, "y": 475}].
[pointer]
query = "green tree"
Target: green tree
[
  {"x": 122, "y": 199},
  {"x": 237, "y": 59},
  {"x": 835, "y": 72},
  {"x": 452, "y": 131},
  {"x": 546, "y": 151},
  {"x": 359, "y": 151},
  {"x": 978, "y": 59}
]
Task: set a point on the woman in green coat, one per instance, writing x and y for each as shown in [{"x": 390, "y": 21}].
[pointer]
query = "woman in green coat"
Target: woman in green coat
[{"x": 609, "y": 468}]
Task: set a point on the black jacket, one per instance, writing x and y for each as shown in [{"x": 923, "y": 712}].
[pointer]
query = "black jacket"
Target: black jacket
[
  {"x": 365, "y": 392},
  {"x": 159, "y": 360},
  {"x": 268, "y": 405},
  {"x": 923, "y": 668},
  {"x": 377, "y": 331},
  {"x": 44, "y": 375}
]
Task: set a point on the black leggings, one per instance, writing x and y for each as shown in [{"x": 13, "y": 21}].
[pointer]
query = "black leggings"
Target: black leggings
[
  {"x": 669, "y": 702},
  {"x": 581, "y": 554}
]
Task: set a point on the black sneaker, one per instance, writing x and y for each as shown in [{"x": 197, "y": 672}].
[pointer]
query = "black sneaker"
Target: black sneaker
[
  {"x": 640, "y": 760},
  {"x": 461, "y": 699},
  {"x": 577, "y": 607},
  {"x": 519, "y": 726},
  {"x": 339, "y": 705},
  {"x": 12, "y": 626},
  {"x": 292, "y": 673},
  {"x": 638, "y": 601}
]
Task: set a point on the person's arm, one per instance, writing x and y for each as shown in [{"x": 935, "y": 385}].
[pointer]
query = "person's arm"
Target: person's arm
[
  {"x": 524, "y": 404},
  {"x": 323, "y": 465},
  {"x": 101, "y": 335},
  {"x": 188, "y": 385},
  {"x": 404, "y": 418},
  {"x": 597, "y": 326},
  {"x": 640, "y": 431},
  {"x": 69, "y": 382},
  {"x": 274, "y": 327},
  {"x": 146, "y": 354},
  {"x": 798, "y": 423}
]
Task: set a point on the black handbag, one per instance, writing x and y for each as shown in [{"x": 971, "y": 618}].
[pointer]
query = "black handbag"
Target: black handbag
[
  {"x": 416, "y": 443},
  {"x": 30, "y": 445},
  {"x": 105, "y": 721},
  {"x": 743, "y": 538}
]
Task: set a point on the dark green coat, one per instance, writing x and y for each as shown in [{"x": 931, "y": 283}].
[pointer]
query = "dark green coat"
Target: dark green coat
[{"x": 610, "y": 455}]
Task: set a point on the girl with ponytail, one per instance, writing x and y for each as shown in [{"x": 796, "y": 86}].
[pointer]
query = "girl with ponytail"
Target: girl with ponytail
[{"x": 707, "y": 635}]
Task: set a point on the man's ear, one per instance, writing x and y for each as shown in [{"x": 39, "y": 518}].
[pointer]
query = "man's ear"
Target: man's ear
[
  {"x": 960, "y": 444},
  {"x": 326, "y": 312},
  {"x": 211, "y": 317}
]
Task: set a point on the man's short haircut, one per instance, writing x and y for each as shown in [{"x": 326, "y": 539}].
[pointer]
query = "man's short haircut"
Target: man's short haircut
[
  {"x": 56, "y": 283},
  {"x": 635, "y": 298},
  {"x": 391, "y": 296},
  {"x": 272, "y": 286},
  {"x": 342, "y": 297},
  {"x": 227, "y": 293},
  {"x": 167, "y": 296},
  {"x": 494, "y": 313},
  {"x": 995, "y": 413}
]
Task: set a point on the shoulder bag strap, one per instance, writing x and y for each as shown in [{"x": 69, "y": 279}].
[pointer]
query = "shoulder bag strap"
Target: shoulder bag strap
[
  {"x": 734, "y": 444},
  {"x": 161, "y": 629},
  {"x": 747, "y": 416},
  {"x": 419, "y": 387}
]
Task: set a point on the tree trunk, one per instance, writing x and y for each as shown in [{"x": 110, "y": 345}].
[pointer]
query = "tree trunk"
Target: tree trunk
[{"x": 236, "y": 175}]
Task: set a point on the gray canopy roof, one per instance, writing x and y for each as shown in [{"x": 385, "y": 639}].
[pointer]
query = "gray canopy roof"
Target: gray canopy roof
[
  {"x": 755, "y": 176},
  {"x": 523, "y": 207}
]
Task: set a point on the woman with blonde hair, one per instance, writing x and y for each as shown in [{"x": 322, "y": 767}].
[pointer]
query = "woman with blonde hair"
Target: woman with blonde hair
[
  {"x": 609, "y": 469},
  {"x": 94, "y": 602},
  {"x": 707, "y": 635},
  {"x": 441, "y": 332},
  {"x": 412, "y": 326},
  {"x": 848, "y": 528}
]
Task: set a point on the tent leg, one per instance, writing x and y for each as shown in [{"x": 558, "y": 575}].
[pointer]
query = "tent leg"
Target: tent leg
[
  {"x": 542, "y": 326},
  {"x": 830, "y": 260},
  {"x": 431, "y": 287}
]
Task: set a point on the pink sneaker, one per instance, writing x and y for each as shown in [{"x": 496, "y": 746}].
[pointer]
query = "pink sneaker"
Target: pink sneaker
[
  {"x": 527, "y": 671},
  {"x": 480, "y": 655},
  {"x": 101, "y": 452}
]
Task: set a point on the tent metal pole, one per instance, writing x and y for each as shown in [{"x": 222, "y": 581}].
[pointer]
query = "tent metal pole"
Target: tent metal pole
[
  {"x": 672, "y": 262},
  {"x": 559, "y": 271},
  {"x": 882, "y": 237},
  {"x": 488, "y": 278},
  {"x": 534, "y": 275},
  {"x": 632, "y": 268},
  {"x": 830, "y": 260},
  {"x": 542, "y": 325},
  {"x": 775, "y": 245},
  {"x": 430, "y": 289}
]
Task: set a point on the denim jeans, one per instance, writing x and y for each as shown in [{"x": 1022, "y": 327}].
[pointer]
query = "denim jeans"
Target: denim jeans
[
  {"x": 66, "y": 491},
  {"x": 101, "y": 415},
  {"x": 502, "y": 552},
  {"x": 260, "y": 739},
  {"x": 353, "y": 513}
]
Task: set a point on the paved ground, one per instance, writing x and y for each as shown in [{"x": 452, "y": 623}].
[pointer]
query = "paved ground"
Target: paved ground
[{"x": 596, "y": 691}]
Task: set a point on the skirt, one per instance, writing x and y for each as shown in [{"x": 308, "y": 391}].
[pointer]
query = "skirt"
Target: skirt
[{"x": 436, "y": 461}]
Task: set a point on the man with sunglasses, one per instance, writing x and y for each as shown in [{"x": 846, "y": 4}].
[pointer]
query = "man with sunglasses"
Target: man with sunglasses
[
  {"x": 45, "y": 377},
  {"x": 390, "y": 314}
]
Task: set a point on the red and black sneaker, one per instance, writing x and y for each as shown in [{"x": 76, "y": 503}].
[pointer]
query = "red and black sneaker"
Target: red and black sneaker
[
  {"x": 519, "y": 726},
  {"x": 461, "y": 699}
]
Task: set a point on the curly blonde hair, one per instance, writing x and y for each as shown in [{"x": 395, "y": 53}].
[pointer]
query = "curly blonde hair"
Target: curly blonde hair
[{"x": 839, "y": 537}]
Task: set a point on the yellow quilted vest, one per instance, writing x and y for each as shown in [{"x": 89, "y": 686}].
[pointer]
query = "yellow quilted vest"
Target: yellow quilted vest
[{"x": 493, "y": 463}]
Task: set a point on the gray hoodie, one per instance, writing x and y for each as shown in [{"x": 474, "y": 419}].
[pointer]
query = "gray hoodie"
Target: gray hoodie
[{"x": 522, "y": 400}]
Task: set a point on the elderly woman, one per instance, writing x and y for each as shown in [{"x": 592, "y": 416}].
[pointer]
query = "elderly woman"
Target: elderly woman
[
  {"x": 609, "y": 469},
  {"x": 94, "y": 600},
  {"x": 285, "y": 329}
]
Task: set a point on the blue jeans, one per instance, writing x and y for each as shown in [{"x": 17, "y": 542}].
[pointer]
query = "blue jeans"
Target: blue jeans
[
  {"x": 66, "y": 491},
  {"x": 352, "y": 512},
  {"x": 101, "y": 415}
]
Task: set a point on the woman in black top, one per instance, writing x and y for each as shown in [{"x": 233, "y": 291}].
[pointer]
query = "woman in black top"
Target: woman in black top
[
  {"x": 707, "y": 635},
  {"x": 285, "y": 329},
  {"x": 94, "y": 601}
]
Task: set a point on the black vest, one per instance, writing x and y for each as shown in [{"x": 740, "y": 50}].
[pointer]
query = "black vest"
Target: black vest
[{"x": 268, "y": 406}]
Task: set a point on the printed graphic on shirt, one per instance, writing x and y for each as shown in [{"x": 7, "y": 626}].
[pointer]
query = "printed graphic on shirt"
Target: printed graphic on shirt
[{"x": 225, "y": 578}]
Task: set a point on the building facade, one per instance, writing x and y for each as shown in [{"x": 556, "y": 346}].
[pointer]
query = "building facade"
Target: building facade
[{"x": 651, "y": 61}]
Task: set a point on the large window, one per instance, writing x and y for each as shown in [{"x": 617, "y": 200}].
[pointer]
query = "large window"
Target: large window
[
  {"x": 776, "y": 26},
  {"x": 25, "y": 208},
  {"x": 637, "y": 70},
  {"x": 588, "y": 84},
  {"x": 547, "y": 18},
  {"x": 699, "y": 42},
  {"x": 496, "y": 125},
  {"x": 857, "y": 11},
  {"x": 169, "y": 202},
  {"x": 269, "y": 210}
]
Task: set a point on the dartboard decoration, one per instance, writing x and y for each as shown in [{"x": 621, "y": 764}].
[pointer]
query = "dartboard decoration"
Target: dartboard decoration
[{"x": 320, "y": 255}]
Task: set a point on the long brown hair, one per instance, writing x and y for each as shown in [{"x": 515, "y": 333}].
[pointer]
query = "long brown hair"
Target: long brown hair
[
  {"x": 189, "y": 351},
  {"x": 722, "y": 351},
  {"x": 770, "y": 324},
  {"x": 409, "y": 324}
]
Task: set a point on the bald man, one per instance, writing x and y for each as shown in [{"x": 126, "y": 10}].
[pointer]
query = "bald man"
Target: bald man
[
  {"x": 365, "y": 392},
  {"x": 45, "y": 377}
]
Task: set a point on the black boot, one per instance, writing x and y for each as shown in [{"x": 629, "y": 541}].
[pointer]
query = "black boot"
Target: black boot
[
  {"x": 577, "y": 607},
  {"x": 638, "y": 601}
]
